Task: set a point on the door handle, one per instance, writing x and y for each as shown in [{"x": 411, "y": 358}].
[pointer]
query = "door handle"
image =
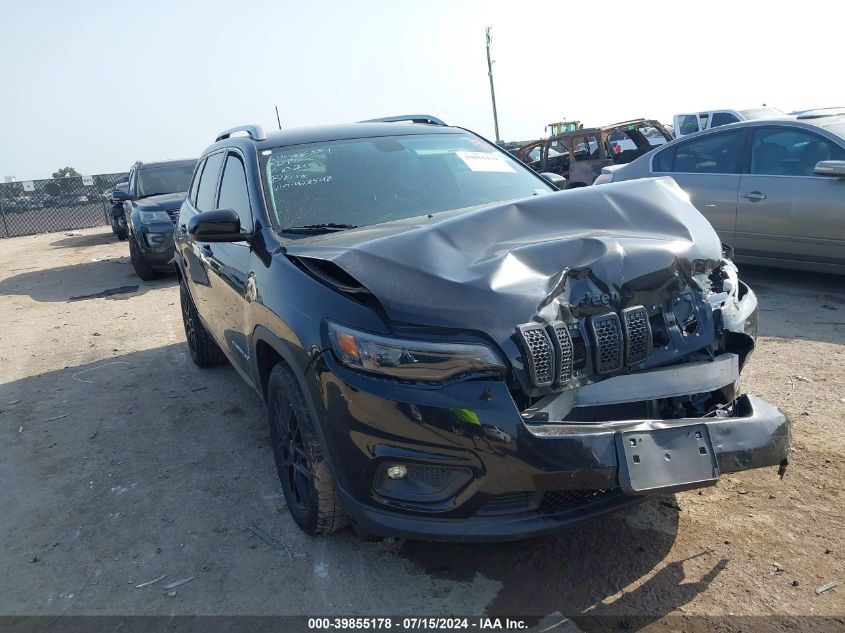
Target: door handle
[
  {"x": 206, "y": 248},
  {"x": 754, "y": 196}
]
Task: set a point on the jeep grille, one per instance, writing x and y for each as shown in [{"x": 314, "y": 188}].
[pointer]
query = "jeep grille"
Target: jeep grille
[
  {"x": 563, "y": 349},
  {"x": 607, "y": 337},
  {"x": 637, "y": 335},
  {"x": 538, "y": 353},
  {"x": 556, "y": 352}
]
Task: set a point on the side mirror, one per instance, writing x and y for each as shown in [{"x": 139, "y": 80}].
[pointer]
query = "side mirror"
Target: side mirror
[
  {"x": 556, "y": 179},
  {"x": 835, "y": 168},
  {"x": 120, "y": 195},
  {"x": 220, "y": 225}
]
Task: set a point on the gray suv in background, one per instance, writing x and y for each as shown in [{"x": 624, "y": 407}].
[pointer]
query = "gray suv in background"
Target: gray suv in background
[
  {"x": 773, "y": 189},
  {"x": 150, "y": 205}
]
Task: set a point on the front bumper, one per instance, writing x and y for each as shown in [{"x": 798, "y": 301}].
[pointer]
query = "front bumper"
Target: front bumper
[
  {"x": 526, "y": 479},
  {"x": 156, "y": 244}
]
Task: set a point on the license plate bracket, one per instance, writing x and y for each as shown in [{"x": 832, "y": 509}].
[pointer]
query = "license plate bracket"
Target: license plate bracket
[{"x": 666, "y": 460}]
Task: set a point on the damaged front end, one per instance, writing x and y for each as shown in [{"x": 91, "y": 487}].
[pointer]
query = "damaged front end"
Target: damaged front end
[
  {"x": 663, "y": 378},
  {"x": 598, "y": 339}
]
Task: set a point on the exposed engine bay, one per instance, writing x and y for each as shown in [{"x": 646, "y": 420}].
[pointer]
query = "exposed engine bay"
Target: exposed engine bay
[{"x": 677, "y": 359}]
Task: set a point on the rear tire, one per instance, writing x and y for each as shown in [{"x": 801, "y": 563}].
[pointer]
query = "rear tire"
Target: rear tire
[
  {"x": 307, "y": 481},
  {"x": 142, "y": 268},
  {"x": 204, "y": 351}
]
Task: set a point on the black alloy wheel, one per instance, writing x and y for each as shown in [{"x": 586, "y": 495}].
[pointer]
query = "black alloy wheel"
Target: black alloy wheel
[
  {"x": 295, "y": 467},
  {"x": 307, "y": 480},
  {"x": 204, "y": 351}
]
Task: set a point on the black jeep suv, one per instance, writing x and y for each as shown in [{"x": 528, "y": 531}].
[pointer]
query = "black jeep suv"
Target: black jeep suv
[
  {"x": 451, "y": 349},
  {"x": 150, "y": 205}
]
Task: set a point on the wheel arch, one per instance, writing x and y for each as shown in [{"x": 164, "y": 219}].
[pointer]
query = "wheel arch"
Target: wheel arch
[
  {"x": 270, "y": 349},
  {"x": 133, "y": 221},
  {"x": 178, "y": 265}
]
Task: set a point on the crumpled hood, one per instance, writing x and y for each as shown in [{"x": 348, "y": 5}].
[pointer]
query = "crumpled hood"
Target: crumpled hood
[
  {"x": 163, "y": 202},
  {"x": 491, "y": 268}
]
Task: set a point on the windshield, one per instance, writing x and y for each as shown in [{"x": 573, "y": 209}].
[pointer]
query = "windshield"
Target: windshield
[
  {"x": 153, "y": 181},
  {"x": 369, "y": 181},
  {"x": 762, "y": 113}
]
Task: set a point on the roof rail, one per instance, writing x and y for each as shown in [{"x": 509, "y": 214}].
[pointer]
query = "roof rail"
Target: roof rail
[
  {"x": 413, "y": 118},
  {"x": 255, "y": 132},
  {"x": 819, "y": 115}
]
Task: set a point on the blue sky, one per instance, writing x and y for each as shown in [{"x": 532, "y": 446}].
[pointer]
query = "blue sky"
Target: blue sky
[{"x": 98, "y": 85}]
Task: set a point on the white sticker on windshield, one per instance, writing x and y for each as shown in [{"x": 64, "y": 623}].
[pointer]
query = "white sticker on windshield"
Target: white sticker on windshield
[{"x": 485, "y": 161}]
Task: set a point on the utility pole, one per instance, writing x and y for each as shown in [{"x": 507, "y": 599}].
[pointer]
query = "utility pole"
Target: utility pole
[
  {"x": 278, "y": 120},
  {"x": 492, "y": 92}
]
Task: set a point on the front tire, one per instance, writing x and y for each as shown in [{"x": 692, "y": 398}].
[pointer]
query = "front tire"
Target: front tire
[
  {"x": 307, "y": 482},
  {"x": 142, "y": 268},
  {"x": 120, "y": 230},
  {"x": 204, "y": 351}
]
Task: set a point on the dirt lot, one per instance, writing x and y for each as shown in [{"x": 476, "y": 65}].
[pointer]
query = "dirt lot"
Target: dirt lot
[{"x": 121, "y": 462}]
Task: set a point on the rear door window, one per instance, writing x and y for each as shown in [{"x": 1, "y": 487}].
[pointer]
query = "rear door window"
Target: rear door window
[
  {"x": 207, "y": 190},
  {"x": 723, "y": 118},
  {"x": 663, "y": 160},
  {"x": 712, "y": 154},
  {"x": 192, "y": 195}
]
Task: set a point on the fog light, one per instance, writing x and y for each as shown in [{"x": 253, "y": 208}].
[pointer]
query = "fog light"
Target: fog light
[
  {"x": 397, "y": 471},
  {"x": 419, "y": 483},
  {"x": 155, "y": 239}
]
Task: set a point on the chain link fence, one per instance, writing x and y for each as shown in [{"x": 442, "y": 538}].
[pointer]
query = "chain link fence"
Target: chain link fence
[{"x": 55, "y": 204}]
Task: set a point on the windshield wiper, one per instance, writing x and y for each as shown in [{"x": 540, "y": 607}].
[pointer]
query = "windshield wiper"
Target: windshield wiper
[{"x": 328, "y": 227}]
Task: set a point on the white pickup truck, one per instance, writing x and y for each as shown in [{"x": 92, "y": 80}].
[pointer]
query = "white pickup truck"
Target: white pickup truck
[{"x": 697, "y": 121}]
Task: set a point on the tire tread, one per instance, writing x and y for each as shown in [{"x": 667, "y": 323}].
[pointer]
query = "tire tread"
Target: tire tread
[
  {"x": 207, "y": 352},
  {"x": 142, "y": 268},
  {"x": 329, "y": 516}
]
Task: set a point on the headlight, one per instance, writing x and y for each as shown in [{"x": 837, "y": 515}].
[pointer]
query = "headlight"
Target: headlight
[
  {"x": 411, "y": 360},
  {"x": 147, "y": 217}
]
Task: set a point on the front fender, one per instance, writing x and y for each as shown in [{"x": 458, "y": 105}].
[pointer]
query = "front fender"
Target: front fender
[
  {"x": 283, "y": 342},
  {"x": 287, "y": 346}
]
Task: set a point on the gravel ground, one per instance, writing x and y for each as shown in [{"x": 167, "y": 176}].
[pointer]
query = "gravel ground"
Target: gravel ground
[{"x": 121, "y": 462}]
